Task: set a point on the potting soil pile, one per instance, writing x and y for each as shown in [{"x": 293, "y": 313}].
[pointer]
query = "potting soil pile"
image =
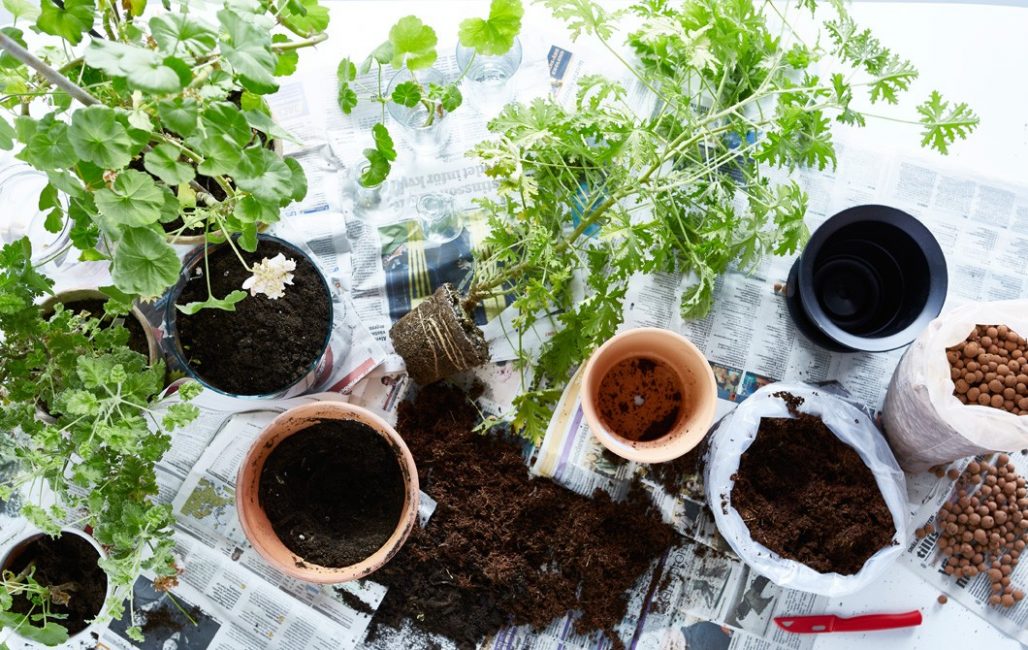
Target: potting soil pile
[{"x": 503, "y": 548}]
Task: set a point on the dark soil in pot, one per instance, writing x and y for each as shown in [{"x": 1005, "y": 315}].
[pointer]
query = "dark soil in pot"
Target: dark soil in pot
[
  {"x": 502, "y": 547},
  {"x": 71, "y": 562},
  {"x": 264, "y": 345},
  {"x": 640, "y": 399},
  {"x": 439, "y": 338},
  {"x": 809, "y": 497},
  {"x": 137, "y": 341},
  {"x": 333, "y": 492}
]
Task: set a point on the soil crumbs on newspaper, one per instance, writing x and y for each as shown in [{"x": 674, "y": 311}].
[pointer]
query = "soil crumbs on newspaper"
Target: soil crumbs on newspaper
[
  {"x": 809, "y": 497},
  {"x": 503, "y": 548}
]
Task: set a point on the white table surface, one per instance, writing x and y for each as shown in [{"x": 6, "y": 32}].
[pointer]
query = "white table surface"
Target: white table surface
[{"x": 974, "y": 52}]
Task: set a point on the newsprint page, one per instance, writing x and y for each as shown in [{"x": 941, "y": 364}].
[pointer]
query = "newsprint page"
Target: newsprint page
[{"x": 380, "y": 265}]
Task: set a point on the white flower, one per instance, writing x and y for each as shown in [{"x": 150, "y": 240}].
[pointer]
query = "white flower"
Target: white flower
[{"x": 270, "y": 277}]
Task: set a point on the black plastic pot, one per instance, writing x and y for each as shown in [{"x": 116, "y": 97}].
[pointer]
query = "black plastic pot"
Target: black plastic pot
[{"x": 870, "y": 279}]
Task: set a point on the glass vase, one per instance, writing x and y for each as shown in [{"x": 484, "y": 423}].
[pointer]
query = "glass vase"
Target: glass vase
[
  {"x": 489, "y": 80},
  {"x": 425, "y": 130}
]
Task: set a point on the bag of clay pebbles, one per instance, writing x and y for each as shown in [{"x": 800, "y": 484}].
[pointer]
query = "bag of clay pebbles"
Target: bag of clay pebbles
[
  {"x": 962, "y": 387},
  {"x": 806, "y": 491}
]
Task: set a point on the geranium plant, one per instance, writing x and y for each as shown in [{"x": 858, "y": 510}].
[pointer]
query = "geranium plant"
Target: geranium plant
[
  {"x": 154, "y": 123},
  {"x": 101, "y": 435},
  {"x": 600, "y": 190},
  {"x": 411, "y": 46}
]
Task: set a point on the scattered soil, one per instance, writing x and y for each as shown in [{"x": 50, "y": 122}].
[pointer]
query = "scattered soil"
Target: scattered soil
[
  {"x": 503, "y": 548},
  {"x": 640, "y": 399},
  {"x": 71, "y": 562},
  {"x": 990, "y": 368},
  {"x": 809, "y": 497},
  {"x": 168, "y": 617},
  {"x": 355, "y": 603},
  {"x": 438, "y": 338},
  {"x": 264, "y": 345},
  {"x": 674, "y": 475},
  {"x": 333, "y": 492},
  {"x": 95, "y": 307}
]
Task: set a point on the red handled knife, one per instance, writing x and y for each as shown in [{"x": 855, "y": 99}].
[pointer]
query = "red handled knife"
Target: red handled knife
[{"x": 830, "y": 623}]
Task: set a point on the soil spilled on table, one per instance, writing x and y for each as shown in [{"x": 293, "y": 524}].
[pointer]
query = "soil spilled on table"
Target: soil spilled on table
[
  {"x": 640, "y": 399},
  {"x": 95, "y": 308},
  {"x": 264, "y": 345},
  {"x": 502, "y": 548},
  {"x": 333, "y": 492},
  {"x": 69, "y": 562},
  {"x": 809, "y": 497}
]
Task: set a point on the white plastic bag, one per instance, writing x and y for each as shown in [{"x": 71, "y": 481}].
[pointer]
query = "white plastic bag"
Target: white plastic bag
[
  {"x": 926, "y": 424},
  {"x": 851, "y": 425}
]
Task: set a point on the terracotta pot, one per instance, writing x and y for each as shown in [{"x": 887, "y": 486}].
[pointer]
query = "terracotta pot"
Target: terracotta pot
[
  {"x": 695, "y": 379},
  {"x": 255, "y": 522},
  {"x": 65, "y": 297},
  {"x": 19, "y": 547}
]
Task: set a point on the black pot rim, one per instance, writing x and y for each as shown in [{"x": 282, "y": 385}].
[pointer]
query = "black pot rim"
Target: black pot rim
[
  {"x": 917, "y": 231},
  {"x": 171, "y": 313}
]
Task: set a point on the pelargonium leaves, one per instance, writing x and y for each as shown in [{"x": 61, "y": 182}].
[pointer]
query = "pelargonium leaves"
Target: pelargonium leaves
[
  {"x": 228, "y": 303},
  {"x": 163, "y": 162},
  {"x": 262, "y": 173},
  {"x": 178, "y": 34},
  {"x": 144, "y": 263},
  {"x": 248, "y": 51},
  {"x": 413, "y": 44},
  {"x": 305, "y": 17},
  {"x": 180, "y": 115},
  {"x": 97, "y": 136},
  {"x": 141, "y": 68},
  {"x": 407, "y": 93},
  {"x": 69, "y": 22},
  {"x": 494, "y": 35},
  {"x": 132, "y": 200}
]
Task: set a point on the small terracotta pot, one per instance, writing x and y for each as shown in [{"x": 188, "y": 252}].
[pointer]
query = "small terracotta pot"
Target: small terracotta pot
[
  {"x": 255, "y": 522},
  {"x": 696, "y": 379},
  {"x": 73, "y": 295}
]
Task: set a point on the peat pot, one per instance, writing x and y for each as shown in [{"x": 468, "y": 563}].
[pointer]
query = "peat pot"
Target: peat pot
[
  {"x": 648, "y": 395},
  {"x": 71, "y": 557},
  {"x": 870, "y": 279},
  {"x": 327, "y": 480},
  {"x": 265, "y": 348}
]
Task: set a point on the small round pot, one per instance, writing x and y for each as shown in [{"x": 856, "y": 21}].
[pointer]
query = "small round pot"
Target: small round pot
[
  {"x": 696, "y": 379},
  {"x": 318, "y": 368},
  {"x": 19, "y": 547},
  {"x": 65, "y": 297},
  {"x": 255, "y": 522},
  {"x": 870, "y": 279}
]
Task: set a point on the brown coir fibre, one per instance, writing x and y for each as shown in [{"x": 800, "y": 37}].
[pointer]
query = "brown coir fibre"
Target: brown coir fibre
[
  {"x": 809, "y": 497},
  {"x": 503, "y": 548}
]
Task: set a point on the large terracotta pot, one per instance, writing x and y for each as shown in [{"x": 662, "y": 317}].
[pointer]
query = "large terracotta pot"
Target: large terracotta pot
[
  {"x": 695, "y": 379},
  {"x": 255, "y": 522}
]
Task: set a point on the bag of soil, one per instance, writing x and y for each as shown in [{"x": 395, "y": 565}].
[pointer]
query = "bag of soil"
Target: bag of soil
[
  {"x": 737, "y": 432},
  {"x": 925, "y": 422}
]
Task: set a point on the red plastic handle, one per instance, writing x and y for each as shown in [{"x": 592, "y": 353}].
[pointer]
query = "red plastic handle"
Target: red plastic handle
[{"x": 873, "y": 622}]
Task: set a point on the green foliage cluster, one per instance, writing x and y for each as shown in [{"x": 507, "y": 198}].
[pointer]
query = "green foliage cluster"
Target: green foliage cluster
[
  {"x": 601, "y": 190},
  {"x": 176, "y": 128},
  {"x": 411, "y": 46},
  {"x": 41, "y": 624},
  {"x": 99, "y": 435}
]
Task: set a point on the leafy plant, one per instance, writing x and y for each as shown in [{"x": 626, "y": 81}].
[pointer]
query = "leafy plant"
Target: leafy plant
[
  {"x": 412, "y": 46},
  {"x": 172, "y": 135},
  {"x": 102, "y": 434},
  {"x": 601, "y": 190},
  {"x": 40, "y": 623}
]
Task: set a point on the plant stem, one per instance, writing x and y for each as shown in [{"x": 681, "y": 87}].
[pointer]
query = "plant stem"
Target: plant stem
[
  {"x": 51, "y": 75},
  {"x": 296, "y": 45}
]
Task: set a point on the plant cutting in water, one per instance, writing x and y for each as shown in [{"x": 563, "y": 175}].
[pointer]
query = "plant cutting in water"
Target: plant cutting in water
[
  {"x": 412, "y": 47},
  {"x": 601, "y": 190}
]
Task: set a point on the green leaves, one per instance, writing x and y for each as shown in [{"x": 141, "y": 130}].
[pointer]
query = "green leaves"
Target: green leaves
[
  {"x": 265, "y": 175},
  {"x": 7, "y": 135},
  {"x": 144, "y": 263},
  {"x": 248, "y": 50},
  {"x": 22, "y": 9},
  {"x": 304, "y": 17},
  {"x": 179, "y": 115},
  {"x": 141, "y": 68},
  {"x": 163, "y": 162},
  {"x": 944, "y": 123},
  {"x": 413, "y": 44},
  {"x": 346, "y": 73},
  {"x": 894, "y": 77},
  {"x": 582, "y": 17},
  {"x": 132, "y": 200},
  {"x": 98, "y": 137},
  {"x": 178, "y": 34},
  {"x": 380, "y": 158},
  {"x": 68, "y": 22},
  {"x": 407, "y": 94},
  {"x": 494, "y": 35},
  {"x": 49, "y": 634},
  {"x": 228, "y": 303}
]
